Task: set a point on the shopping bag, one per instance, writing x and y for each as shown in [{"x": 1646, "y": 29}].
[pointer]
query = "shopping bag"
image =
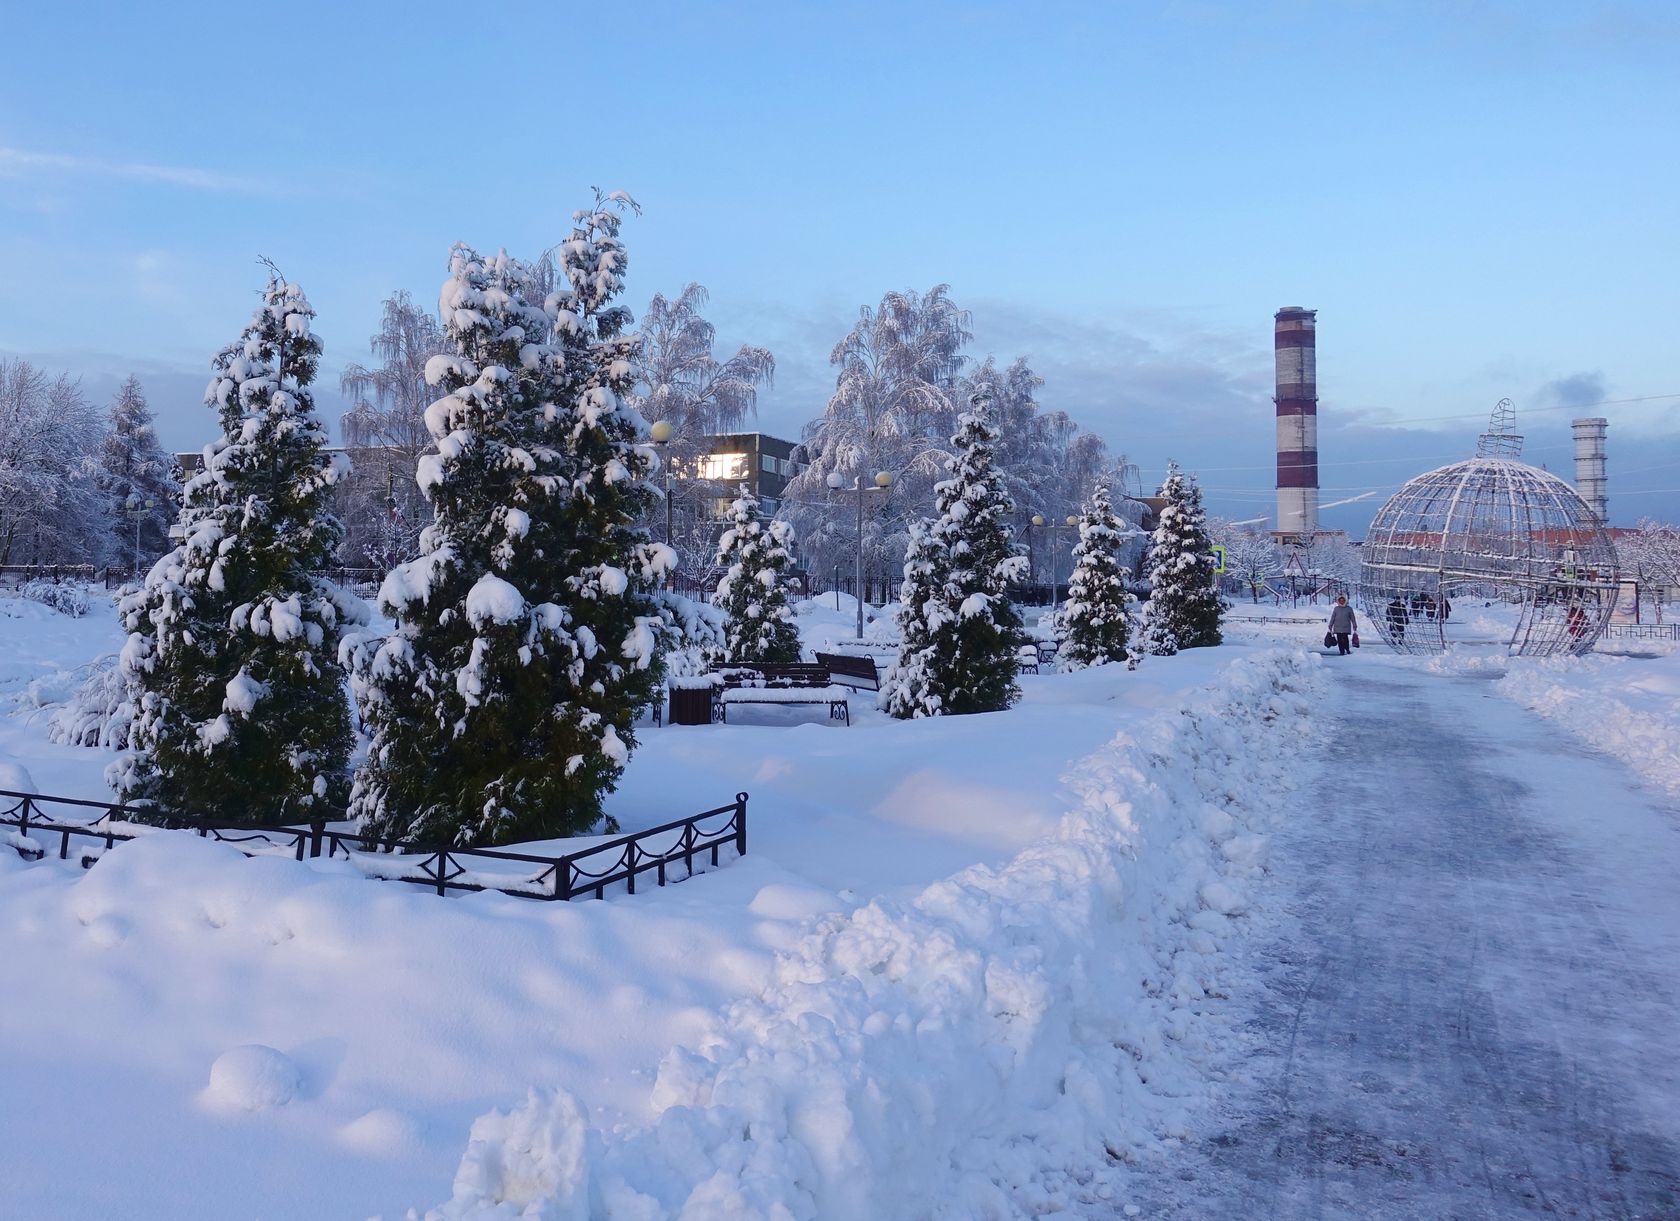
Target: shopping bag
[
  {"x": 1356, "y": 640},
  {"x": 1329, "y": 640}
]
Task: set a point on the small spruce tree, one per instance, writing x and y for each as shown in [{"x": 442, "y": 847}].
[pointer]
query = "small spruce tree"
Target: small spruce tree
[
  {"x": 1184, "y": 608},
  {"x": 231, "y": 659},
  {"x": 527, "y": 631},
  {"x": 132, "y": 470},
  {"x": 907, "y": 689},
  {"x": 959, "y": 649},
  {"x": 753, "y": 590},
  {"x": 1096, "y": 622}
]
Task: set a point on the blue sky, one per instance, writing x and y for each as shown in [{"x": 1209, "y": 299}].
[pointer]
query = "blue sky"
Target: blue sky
[{"x": 1478, "y": 198}]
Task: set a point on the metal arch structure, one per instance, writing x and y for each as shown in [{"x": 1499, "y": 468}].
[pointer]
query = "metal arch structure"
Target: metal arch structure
[{"x": 1494, "y": 529}]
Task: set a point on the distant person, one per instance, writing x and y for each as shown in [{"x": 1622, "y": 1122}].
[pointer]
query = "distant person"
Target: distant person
[
  {"x": 1397, "y": 618},
  {"x": 1446, "y": 608},
  {"x": 1576, "y": 622},
  {"x": 1342, "y": 625}
]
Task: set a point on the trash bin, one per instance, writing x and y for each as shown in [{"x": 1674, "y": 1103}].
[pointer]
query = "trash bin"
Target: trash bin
[{"x": 691, "y": 705}]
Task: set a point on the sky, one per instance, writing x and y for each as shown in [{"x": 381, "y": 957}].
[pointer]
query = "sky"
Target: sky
[{"x": 1479, "y": 199}]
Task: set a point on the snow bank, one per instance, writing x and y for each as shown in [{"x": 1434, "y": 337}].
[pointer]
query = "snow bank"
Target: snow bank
[
  {"x": 1627, "y": 707},
  {"x": 970, "y": 1052}
]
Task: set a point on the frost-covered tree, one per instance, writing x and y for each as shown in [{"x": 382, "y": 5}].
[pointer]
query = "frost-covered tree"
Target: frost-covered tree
[
  {"x": 1250, "y": 556},
  {"x": 1184, "y": 608},
  {"x": 134, "y": 469},
  {"x": 681, "y": 382},
  {"x": 1650, "y": 553},
  {"x": 1096, "y": 620},
  {"x": 51, "y": 508},
  {"x": 382, "y": 507},
  {"x": 892, "y": 410},
  {"x": 959, "y": 642},
  {"x": 756, "y": 556},
  {"x": 527, "y": 633},
  {"x": 231, "y": 660}
]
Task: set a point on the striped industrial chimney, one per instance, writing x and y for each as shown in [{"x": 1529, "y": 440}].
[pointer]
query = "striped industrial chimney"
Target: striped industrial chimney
[
  {"x": 1297, "y": 423},
  {"x": 1590, "y": 478}
]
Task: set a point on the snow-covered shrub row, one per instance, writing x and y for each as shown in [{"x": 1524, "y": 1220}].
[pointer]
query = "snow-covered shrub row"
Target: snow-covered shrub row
[
  {"x": 994, "y": 1047},
  {"x": 63, "y": 596},
  {"x": 1627, "y": 707}
]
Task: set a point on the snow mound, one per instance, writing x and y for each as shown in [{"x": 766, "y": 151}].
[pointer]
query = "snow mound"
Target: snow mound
[
  {"x": 253, "y": 1078},
  {"x": 382, "y": 1132},
  {"x": 16, "y": 778},
  {"x": 973, "y": 1050}
]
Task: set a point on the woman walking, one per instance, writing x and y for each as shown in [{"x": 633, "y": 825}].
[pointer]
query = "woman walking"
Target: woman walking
[{"x": 1342, "y": 625}]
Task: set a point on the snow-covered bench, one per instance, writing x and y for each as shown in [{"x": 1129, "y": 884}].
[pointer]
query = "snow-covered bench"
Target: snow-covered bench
[
  {"x": 850, "y": 670},
  {"x": 797, "y": 683}
]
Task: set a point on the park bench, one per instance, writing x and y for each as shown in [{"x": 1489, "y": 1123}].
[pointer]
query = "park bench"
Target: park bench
[
  {"x": 768, "y": 683},
  {"x": 850, "y": 670}
]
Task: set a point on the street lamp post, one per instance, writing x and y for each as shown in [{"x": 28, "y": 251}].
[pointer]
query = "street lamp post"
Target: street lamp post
[
  {"x": 1055, "y": 558},
  {"x": 661, "y": 434},
  {"x": 137, "y": 511},
  {"x": 883, "y": 482}
]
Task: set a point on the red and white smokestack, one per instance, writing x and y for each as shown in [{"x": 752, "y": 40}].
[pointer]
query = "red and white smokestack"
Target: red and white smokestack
[{"x": 1297, "y": 422}]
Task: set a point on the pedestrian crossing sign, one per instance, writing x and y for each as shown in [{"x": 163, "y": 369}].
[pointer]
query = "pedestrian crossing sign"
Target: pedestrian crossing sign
[{"x": 1218, "y": 559}]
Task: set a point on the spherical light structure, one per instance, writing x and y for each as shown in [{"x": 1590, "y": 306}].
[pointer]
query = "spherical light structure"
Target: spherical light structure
[{"x": 1494, "y": 531}]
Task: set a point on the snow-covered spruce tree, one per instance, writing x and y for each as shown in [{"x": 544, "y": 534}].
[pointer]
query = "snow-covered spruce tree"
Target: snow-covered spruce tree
[
  {"x": 1184, "y": 608},
  {"x": 906, "y": 688},
  {"x": 527, "y": 630},
  {"x": 753, "y": 591},
  {"x": 231, "y": 659},
  {"x": 961, "y": 655},
  {"x": 132, "y": 470},
  {"x": 1096, "y": 621}
]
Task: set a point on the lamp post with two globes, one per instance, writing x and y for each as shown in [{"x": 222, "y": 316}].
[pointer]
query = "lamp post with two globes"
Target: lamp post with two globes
[
  {"x": 883, "y": 482},
  {"x": 137, "y": 511},
  {"x": 1055, "y": 560}
]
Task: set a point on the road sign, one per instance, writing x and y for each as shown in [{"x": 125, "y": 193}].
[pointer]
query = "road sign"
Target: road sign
[{"x": 1218, "y": 559}]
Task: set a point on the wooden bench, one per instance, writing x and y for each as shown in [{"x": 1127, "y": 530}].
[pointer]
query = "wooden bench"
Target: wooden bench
[
  {"x": 850, "y": 670},
  {"x": 793, "y": 683}
]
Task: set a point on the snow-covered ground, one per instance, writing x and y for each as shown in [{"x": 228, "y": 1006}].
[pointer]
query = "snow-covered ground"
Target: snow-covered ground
[
  {"x": 971, "y": 966},
  {"x": 961, "y": 956}
]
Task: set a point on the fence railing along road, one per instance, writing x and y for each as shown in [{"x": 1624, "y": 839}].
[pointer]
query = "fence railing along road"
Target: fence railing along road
[{"x": 30, "y": 823}]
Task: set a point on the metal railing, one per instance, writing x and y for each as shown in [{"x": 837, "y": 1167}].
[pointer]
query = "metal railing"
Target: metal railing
[
  {"x": 1643, "y": 631},
  {"x": 29, "y": 826}
]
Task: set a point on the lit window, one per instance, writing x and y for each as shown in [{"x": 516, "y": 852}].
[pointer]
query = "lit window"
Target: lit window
[{"x": 723, "y": 466}]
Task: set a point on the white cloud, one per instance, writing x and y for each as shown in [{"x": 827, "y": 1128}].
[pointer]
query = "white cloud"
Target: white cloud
[{"x": 26, "y": 164}]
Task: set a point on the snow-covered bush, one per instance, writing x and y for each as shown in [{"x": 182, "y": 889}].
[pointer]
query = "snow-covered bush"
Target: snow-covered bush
[
  {"x": 527, "y": 635},
  {"x": 694, "y": 634},
  {"x": 959, "y": 630},
  {"x": 756, "y": 556},
  {"x": 231, "y": 658},
  {"x": 1096, "y": 622},
  {"x": 1184, "y": 608},
  {"x": 98, "y": 712},
  {"x": 65, "y": 597}
]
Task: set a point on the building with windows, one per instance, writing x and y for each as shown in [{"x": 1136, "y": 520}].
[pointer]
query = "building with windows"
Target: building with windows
[{"x": 764, "y": 463}]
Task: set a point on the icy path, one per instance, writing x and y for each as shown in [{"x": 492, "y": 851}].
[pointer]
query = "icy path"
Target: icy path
[{"x": 1471, "y": 1007}]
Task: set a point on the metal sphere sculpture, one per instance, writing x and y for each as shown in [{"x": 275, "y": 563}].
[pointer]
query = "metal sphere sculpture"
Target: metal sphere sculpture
[{"x": 1492, "y": 529}]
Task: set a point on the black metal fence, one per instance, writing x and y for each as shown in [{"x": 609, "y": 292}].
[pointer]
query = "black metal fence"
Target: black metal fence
[
  {"x": 1643, "y": 631},
  {"x": 30, "y": 826}
]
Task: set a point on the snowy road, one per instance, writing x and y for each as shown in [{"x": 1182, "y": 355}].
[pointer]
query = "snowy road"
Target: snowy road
[{"x": 1471, "y": 1006}]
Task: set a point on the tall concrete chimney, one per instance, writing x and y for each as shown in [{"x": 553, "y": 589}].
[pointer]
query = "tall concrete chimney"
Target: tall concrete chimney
[
  {"x": 1590, "y": 479},
  {"x": 1297, "y": 422}
]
